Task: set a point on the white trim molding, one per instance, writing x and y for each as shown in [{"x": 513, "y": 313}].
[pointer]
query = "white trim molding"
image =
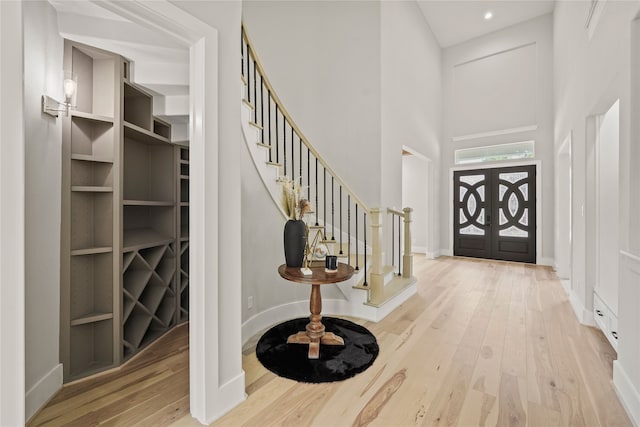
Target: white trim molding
[
  {"x": 627, "y": 393},
  {"x": 499, "y": 132},
  {"x": 584, "y": 316},
  {"x": 216, "y": 378},
  {"x": 12, "y": 223}
]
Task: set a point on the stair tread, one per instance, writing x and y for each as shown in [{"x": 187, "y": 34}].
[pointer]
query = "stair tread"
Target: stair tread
[
  {"x": 248, "y": 104},
  {"x": 255, "y": 125},
  {"x": 260, "y": 144}
]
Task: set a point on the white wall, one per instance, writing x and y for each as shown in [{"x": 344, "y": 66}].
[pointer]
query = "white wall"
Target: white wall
[
  {"x": 411, "y": 76},
  {"x": 43, "y": 51},
  {"x": 323, "y": 59},
  {"x": 12, "y": 372},
  {"x": 590, "y": 74},
  {"x": 517, "y": 60},
  {"x": 414, "y": 194}
]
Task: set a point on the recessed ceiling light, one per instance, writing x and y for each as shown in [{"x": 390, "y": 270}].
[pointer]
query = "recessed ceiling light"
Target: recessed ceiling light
[{"x": 488, "y": 15}]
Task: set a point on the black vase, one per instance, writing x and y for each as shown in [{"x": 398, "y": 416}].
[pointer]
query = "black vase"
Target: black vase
[{"x": 295, "y": 239}]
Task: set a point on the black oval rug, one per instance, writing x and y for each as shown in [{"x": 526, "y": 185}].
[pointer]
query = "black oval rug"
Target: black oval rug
[{"x": 336, "y": 363}]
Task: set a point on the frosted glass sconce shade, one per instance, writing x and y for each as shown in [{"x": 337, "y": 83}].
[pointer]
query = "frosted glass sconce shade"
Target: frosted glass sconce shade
[{"x": 69, "y": 86}]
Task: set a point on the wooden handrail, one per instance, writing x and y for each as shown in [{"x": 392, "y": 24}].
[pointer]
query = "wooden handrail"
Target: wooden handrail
[
  {"x": 395, "y": 212},
  {"x": 293, "y": 124}
]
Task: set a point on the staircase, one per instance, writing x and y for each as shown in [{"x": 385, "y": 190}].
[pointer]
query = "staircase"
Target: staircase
[{"x": 347, "y": 227}]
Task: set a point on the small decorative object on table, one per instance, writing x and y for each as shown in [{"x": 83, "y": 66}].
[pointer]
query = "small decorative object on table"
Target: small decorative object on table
[{"x": 331, "y": 264}]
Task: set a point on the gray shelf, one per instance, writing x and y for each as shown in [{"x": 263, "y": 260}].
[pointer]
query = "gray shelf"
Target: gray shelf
[
  {"x": 90, "y": 158},
  {"x": 141, "y": 238},
  {"x": 91, "y": 318}
]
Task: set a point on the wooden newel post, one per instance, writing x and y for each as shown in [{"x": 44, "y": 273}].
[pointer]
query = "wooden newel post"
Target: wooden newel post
[
  {"x": 407, "y": 258},
  {"x": 377, "y": 278}
]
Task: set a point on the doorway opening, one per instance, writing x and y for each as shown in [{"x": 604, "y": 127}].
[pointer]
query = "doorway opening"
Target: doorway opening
[{"x": 415, "y": 194}]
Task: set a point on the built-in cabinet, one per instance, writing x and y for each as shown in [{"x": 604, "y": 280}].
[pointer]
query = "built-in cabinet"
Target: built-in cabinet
[{"x": 124, "y": 232}]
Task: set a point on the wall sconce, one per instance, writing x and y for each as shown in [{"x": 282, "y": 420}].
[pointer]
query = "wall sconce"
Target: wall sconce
[{"x": 69, "y": 86}]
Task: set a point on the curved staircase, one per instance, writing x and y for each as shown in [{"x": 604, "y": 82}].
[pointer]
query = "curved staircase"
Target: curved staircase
[{"x": 347, "y": 227}]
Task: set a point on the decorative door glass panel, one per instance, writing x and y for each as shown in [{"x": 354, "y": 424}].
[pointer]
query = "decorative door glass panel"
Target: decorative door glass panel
[
  {"x": 471, "y": 179},
  {"x": 472, "y": 230},
  {"x": 513, "y": 193},
  {"x": 471, "y": 201},
  {"x": 513, "y": 177}
]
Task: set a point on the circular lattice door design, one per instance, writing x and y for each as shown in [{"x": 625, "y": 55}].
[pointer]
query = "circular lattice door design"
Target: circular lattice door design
[{"x": 508, "y": 196}]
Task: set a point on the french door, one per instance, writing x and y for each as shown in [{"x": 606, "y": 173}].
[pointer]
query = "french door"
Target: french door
[{"x": 495, "y": 213}]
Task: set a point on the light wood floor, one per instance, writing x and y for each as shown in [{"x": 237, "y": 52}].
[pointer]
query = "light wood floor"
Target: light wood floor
[{"x": 483, "y": 343}]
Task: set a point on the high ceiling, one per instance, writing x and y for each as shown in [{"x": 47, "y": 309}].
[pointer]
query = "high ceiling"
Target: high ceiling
[{"x": 456, "y": 21}]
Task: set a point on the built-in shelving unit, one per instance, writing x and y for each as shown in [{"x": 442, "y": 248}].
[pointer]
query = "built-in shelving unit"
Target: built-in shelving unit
[
  {"x": 183, "y": 230},
  {"x": 90, "y": 237},
  {"x": 149, "y": 282},
  {"x": 124, "y": 249}
]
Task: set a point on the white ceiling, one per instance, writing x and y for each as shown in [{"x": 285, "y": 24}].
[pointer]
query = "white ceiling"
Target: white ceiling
[{"x": 456, "y": 21}]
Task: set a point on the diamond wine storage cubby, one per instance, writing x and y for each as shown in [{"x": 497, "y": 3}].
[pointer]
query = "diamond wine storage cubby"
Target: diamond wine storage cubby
[
  {"x": 148, "y": 288},
  {"x": 125, "y": 212}
]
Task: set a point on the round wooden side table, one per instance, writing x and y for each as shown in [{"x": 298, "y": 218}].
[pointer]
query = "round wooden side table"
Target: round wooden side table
[{"x": 314, "y": 335}]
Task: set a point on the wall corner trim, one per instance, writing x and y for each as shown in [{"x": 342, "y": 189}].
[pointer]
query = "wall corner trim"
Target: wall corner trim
[
  {"x": 584, "y": 316},
  {"x": 42, "y": 391},
  {"x": 629, "y": 396}
]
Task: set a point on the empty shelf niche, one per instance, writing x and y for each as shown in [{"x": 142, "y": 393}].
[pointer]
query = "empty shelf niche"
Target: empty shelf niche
[
  {"x": 184, "y": 222},
  {"x": 92, "y": 345},
  {"x": 99, "y": 67},
  {"x": 91, "y": 297},
  {"x": 184, "y": 169},
  {"x": 146, "y": 226},
  {"x": 138, "y": 105},
  {"x": 93, "y": 138},
  {"x": 162, "y": 128},
  {"x": 149, "y": 171},
  {"x": 184, "y": 190},
  {"x": 91, "y": 221},
  {"x": 87, "y": 175}
]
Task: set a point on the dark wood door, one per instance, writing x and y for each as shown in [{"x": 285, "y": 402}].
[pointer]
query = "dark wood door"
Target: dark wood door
[{"x": 495, "y": 213}]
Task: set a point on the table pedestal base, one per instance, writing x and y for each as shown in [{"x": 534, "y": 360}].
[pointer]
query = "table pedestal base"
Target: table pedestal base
[{"x": 329, "y": 338}]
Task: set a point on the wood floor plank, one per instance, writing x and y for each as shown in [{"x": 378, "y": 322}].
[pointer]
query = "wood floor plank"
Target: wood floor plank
[
  {"x": 512, "y": 402},
  {"x": 483, "y": 343}
]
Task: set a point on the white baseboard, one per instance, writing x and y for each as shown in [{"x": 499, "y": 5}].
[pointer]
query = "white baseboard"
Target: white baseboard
[
  {"x": 584, "y": 316},
  {"x": 446, "y": 252},
  {"x": 547, "y": 261},
  {"x": 628, "y": 394},
  {"x": 433, "y": 255},
  {"x": 419, "y": 249},
  {"x": 38, "y": 395}
]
